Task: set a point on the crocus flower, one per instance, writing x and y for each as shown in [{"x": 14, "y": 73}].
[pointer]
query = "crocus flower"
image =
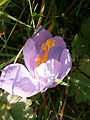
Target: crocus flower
[{"x": 46, "y": 59}]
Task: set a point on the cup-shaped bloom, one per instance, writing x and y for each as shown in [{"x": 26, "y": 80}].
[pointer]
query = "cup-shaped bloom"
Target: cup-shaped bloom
[{"x": 46, "y": 59}]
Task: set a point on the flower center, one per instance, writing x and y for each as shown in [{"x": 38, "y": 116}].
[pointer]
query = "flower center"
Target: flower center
[{"x": 46, "y": 47}]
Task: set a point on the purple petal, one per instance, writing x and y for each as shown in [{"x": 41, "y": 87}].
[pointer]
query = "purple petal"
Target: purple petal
[
  {"x": 30, "y": 53},
  {"x": 66, "y": 62},
  {"x": 16, "y": 80},
  {"x": 48, "y": 72},
  {"x": 56, "y": 51},
  {"x": 32, "y": 48},
  {"x": 41, "y": 37}
]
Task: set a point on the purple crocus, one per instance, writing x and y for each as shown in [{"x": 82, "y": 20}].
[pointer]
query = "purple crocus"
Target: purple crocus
[{"x": 46, "y": 59}]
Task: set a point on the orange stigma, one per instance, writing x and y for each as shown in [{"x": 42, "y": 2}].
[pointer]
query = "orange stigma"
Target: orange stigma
[{"x": 46, "y": 47}]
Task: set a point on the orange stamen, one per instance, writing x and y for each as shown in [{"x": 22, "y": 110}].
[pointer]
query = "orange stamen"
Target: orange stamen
[{"x": 46, "y": 47}]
